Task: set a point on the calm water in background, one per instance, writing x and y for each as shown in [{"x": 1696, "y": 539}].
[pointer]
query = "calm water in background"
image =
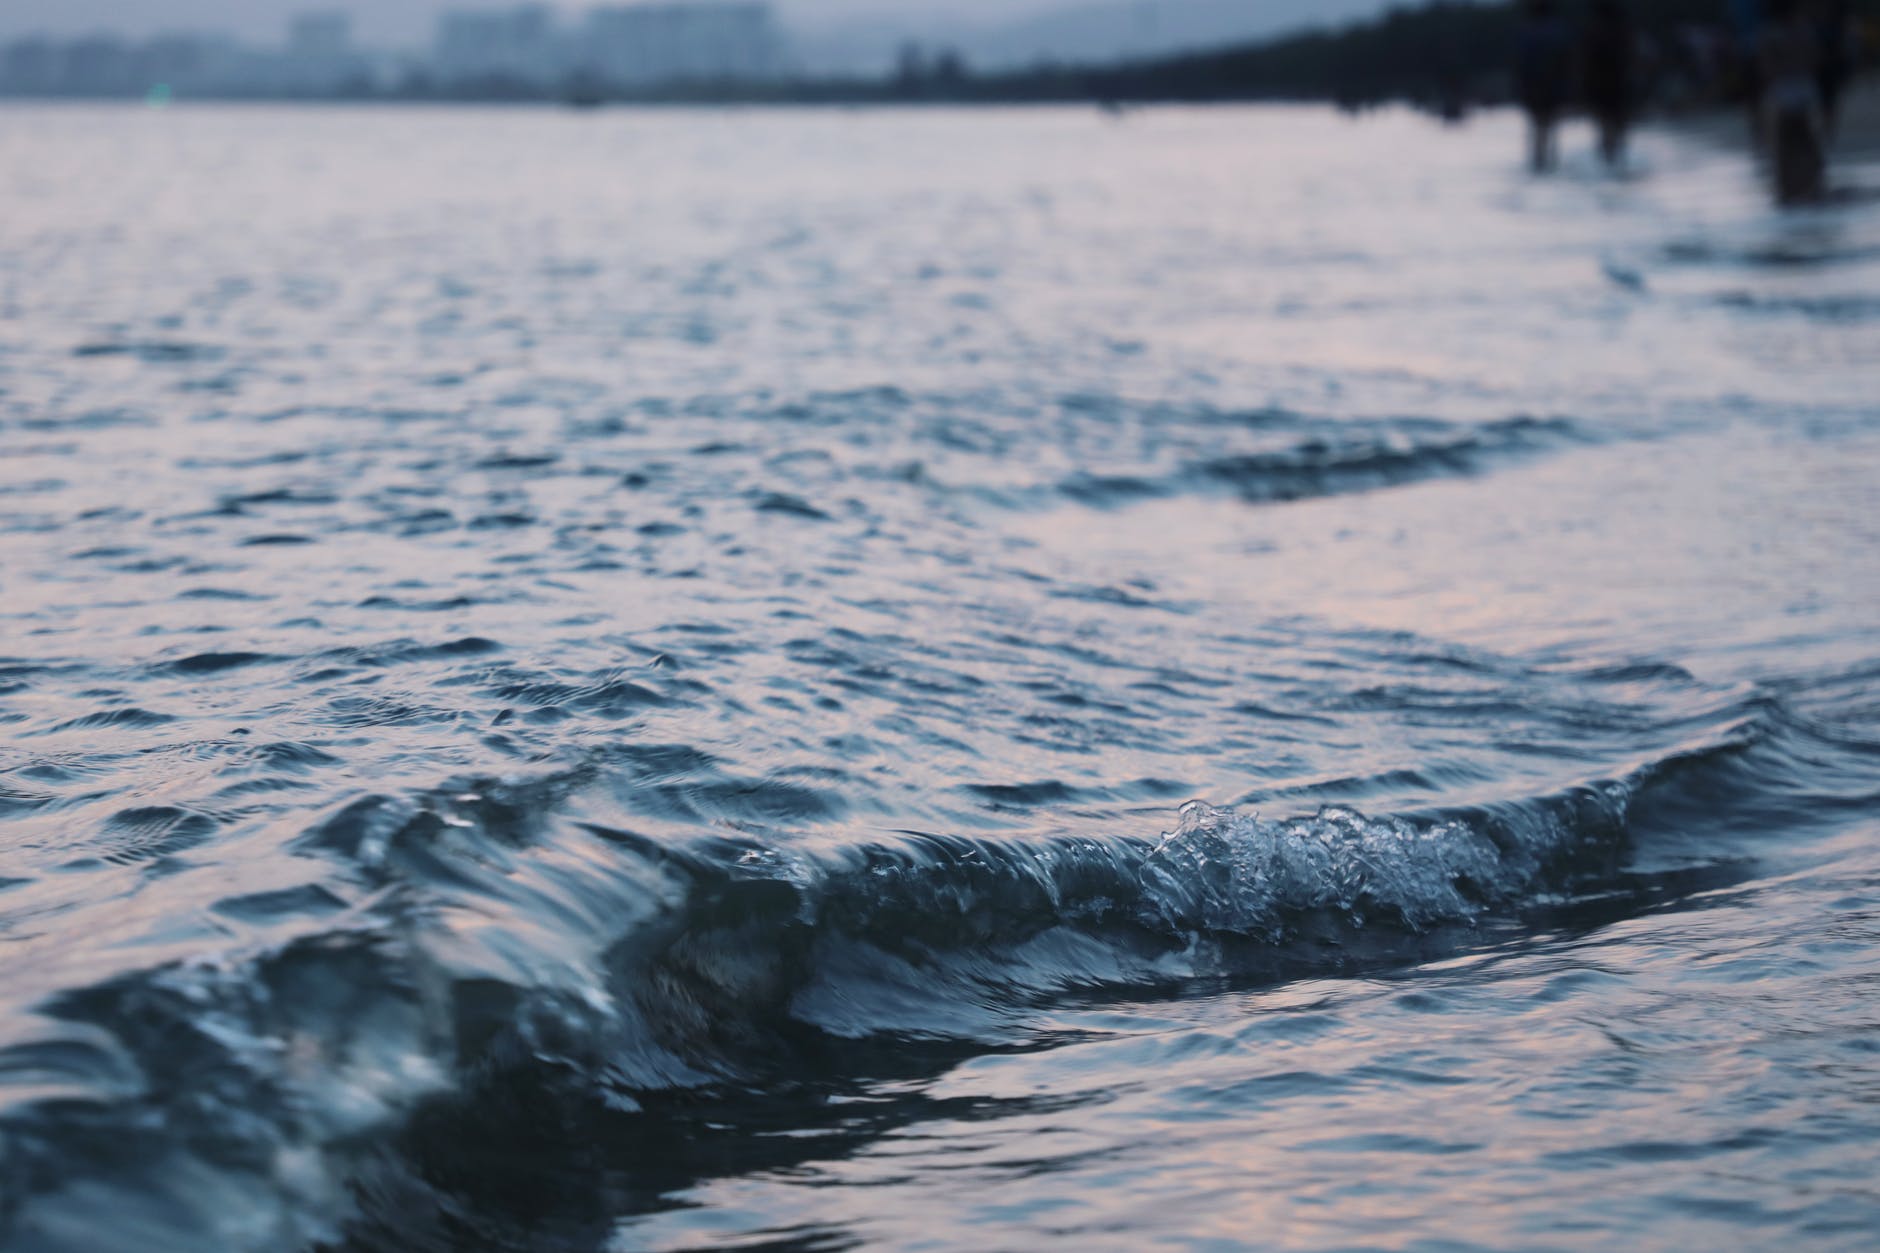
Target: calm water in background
[{"x": 636, "y": 681}]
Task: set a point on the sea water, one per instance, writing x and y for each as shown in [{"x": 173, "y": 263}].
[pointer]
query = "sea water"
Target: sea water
[{"x": 931, "y": 679}]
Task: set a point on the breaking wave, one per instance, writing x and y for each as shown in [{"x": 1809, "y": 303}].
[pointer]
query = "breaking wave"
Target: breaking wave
[{"x": 494, "y": 928}]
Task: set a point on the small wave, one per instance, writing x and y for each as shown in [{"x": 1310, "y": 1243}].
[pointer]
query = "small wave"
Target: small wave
[
  {"x": 216, "y": 663},
  {"x": 1800, "y": 252},
  {"x": 612, "y": 695},
  {"x": 1338, "y": 463},
  {"x": 219, "y": 593},
  {"x": 153, "y": 351},
  {"x": 519, "y": 461},
  {"x": 1833, "y": 308},
  {"x": 241, "y": 503},
  {"x": 789, "y": 506},
  {"x": 151, "y": 832},
  {"x": 1322, "y": 467},
  {"x": 123, "y": 719}
]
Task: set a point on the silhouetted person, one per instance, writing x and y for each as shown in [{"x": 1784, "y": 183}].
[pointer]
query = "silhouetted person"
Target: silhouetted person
[
  {"x": 1542, "y": 67},
  {"x": 1746, "y": 23},
  {"x": 1789, "y": 57},
  {"x": 1608, "y": 53},
  {"x": 1835, "y": 25}
]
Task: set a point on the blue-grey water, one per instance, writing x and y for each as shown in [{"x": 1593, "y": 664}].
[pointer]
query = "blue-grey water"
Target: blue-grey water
[{"x": 944, "y": 680}]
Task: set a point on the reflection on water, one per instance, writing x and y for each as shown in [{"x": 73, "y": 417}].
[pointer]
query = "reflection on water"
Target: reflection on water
[{"x": 632, "y": 681}]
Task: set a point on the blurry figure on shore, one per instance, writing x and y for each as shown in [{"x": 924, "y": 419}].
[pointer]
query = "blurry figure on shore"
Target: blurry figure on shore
[
  {"x": 1542, "y": 69},
  {"x": 1835, "y": 24},
  {"x": 1608, "y": 52},
  {"x": 1746, "y": 23},
  {"x": 1789, "y": 61}
]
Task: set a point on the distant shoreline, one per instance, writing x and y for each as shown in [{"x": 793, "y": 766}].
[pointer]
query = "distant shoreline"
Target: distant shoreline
[{"x": 1443, "y": 57}]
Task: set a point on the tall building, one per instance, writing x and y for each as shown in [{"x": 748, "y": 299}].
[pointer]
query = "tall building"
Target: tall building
[
  {"x": 319, "y": 56},
  {"x": 32, "y": 66},
  {"x": 191, "y": 63},
  {"x": 320, "y": 35},
  {"x": 484, "y": 45},
  {"x": 634, "y": 45},
  {"x": 103, "y": 66}
]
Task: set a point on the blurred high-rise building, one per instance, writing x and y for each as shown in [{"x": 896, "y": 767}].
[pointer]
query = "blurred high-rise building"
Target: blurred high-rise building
[
  {"x": 707, "y": 40},
  {"x": 480, "y": 46},
  {"x": 319, "y": 56}
]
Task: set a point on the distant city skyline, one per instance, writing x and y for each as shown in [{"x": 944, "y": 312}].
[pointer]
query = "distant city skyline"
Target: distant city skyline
[{"x": 412, "y": 23}]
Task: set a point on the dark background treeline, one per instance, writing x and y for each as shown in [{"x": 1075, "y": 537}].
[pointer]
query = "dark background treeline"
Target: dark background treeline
[
  {"x": 1445, "y": 53},
  {"x": 1426, "y": 53}
]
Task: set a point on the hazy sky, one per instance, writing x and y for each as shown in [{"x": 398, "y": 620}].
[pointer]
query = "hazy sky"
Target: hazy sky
[{"x": 409, "y": 21}]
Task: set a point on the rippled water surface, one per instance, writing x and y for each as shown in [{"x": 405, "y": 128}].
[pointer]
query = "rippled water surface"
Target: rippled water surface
[{"x": 947, "y": 680}]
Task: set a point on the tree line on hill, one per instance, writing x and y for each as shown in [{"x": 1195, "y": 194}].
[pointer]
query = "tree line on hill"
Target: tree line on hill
[{"x": 1446, "y": 54}]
